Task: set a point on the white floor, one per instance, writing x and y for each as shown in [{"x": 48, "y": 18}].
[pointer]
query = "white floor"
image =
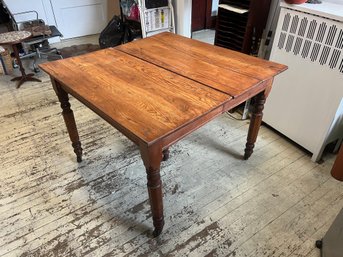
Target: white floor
[
  {"x": 204, "y": 35},
  {"x": 92, "y": 39}
]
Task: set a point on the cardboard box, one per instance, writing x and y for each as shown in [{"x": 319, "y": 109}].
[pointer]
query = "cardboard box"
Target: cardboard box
[{"x": 6, "y": 61}]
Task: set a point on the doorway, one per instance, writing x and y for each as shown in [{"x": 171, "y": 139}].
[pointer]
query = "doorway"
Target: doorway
[{"x": 201, "y": 14}]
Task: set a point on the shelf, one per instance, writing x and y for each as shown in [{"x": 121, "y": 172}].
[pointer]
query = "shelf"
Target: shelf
[{"x": 240, "y": 24}]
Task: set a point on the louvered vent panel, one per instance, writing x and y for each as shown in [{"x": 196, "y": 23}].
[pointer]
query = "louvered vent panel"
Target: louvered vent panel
[{"x": 316, "y": 39}]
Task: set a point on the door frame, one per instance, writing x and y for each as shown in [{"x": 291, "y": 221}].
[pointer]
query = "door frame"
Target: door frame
[
  {"x": 208, "y": 14},
  {"x": 208, "y": 17}
]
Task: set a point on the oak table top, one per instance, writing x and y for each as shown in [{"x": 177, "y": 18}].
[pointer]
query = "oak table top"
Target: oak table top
[
  {"x": 159, "y": 89},
  {"x": 148, "y": 101},
  {"x": 227, "y": 71}
]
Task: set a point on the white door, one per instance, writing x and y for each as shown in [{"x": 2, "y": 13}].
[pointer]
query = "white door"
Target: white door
[
  {"x": 42, "y": 7},
  {"x": 75, "y": 18}
]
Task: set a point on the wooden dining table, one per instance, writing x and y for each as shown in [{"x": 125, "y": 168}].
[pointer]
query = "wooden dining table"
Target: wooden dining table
[{"x": 159, "y": 89}]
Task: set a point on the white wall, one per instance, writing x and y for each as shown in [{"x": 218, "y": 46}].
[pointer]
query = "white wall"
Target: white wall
[
  {"x": 43, "y": 7},
  {"x": 215, "y": 6},
  {"x": 77, "y": 18},
  {"x": 183, "y": 17},
  {"x": 73, "y": 18},
  {"x": 334, "y": 1},
  {"x": 183, "y": 12}
]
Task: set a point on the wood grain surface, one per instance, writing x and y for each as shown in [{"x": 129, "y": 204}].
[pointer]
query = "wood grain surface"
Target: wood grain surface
[
  {"x": 134, "y": 96},
  {"x": 225, "y": 70}
]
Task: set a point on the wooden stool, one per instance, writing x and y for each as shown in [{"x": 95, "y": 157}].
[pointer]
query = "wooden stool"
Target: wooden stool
[{"x": 14, "y": 38}]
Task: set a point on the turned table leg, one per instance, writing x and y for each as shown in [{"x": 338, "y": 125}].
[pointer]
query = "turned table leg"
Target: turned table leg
[
  {"x": 69, "y": 119},
  {"x": 255, "y": 123},
  {"x": 152, "y": 157}
]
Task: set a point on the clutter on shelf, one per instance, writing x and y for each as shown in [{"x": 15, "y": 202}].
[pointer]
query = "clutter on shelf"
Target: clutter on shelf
[{"x": 130, "y": 9}]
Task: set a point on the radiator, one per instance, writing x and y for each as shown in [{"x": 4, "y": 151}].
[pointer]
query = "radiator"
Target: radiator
[{"x": 306, "y": 103}]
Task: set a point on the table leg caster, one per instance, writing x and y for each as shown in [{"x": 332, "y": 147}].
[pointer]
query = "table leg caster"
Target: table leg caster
[
  {"x": 157, "y": 232},
  {"x": 79, "y": 159},
  {"x": 319, "y": 244}
]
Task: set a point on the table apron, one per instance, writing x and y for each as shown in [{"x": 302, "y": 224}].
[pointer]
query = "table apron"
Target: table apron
[
  {"x": 263, "y": 86},
  {"x": 190, "y": 127}
]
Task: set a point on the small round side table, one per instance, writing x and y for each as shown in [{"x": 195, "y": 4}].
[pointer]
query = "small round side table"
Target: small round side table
[{"x": 14, "y": 38}]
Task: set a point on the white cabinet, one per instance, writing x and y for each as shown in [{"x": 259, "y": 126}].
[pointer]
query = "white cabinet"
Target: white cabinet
[
  {"x": 305, "y": 103},
  {"x": 75, "y": 18},
  {"x": 42, "y": 7}
]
